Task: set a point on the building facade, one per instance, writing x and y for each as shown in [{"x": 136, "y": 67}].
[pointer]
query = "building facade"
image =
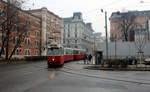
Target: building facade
[
  {"x": 31, "y": 42},
  {"x": 136, "y": 26},
  {"x": 77, "y": 33},
  {"x": 98, "y": 39},
  {"x": 42, "y": 28},
  {"x": 52, "y": 27}
]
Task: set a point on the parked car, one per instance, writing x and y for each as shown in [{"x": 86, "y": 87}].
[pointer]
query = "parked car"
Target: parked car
[{"x": 147, "y": 61}]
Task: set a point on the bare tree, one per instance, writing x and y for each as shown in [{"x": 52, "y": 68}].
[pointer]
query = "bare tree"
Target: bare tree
[
  {"x": 140, "y": 42},
  {"x": 127, "y": 24},
  {"x": 11, "y": 25}
]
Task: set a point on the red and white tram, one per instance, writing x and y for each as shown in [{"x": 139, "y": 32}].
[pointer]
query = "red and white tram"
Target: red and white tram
[{"x": 59, "y": 55}]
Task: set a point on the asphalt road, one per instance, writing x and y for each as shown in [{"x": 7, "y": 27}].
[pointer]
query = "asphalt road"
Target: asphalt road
[{"x": 35, "y": 77}]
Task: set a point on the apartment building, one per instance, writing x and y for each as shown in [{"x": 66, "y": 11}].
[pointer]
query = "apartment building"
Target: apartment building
[
  {"x": 31, "y": 43},
  {"x": 138, "y": 25},
  {"x": 52, "y": 27}
]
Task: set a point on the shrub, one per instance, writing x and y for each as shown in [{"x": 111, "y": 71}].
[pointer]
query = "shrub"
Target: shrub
[
  {"x": 118, "y": 63},
  {"x": 124, "y": 63},
  {"x": 35, "y": 58}
]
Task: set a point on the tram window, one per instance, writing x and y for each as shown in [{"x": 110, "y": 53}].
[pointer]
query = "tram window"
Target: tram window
[
  {"x": 54, "y": 51},
  {"x": 68, "y": 51},
  {"x": 63, "y": 51},
  {"x": 77, "y": 52}
]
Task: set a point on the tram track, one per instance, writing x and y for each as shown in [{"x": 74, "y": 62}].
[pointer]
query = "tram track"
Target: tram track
[
  {"x": 83, "y": 72},
  {"x": 69, "y": 70}
]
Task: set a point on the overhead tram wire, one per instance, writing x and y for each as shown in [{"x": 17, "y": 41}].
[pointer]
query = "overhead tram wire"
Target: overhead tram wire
[{"x": 106, "y": 5}]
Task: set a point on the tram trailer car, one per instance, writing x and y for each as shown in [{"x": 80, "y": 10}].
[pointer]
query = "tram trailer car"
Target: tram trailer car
[
  {"x": 78, "y": 54},
  {"x": 58, "y": 56}
]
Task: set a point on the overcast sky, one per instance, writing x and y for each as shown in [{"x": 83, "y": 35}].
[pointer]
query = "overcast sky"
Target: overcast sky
[{"x": 90, "y": 9}]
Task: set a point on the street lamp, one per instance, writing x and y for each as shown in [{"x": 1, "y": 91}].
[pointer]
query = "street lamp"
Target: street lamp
[{"x": 106, "y": 32}]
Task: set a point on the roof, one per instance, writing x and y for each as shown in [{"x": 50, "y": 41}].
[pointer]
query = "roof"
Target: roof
[
  {"x": 39, "y": 10},
  {"x": 19, "y": 9},
  {"x": 136, "y": 13},
  {"x": 68, "y": 19},
  {"x": 77, "y": 13}
]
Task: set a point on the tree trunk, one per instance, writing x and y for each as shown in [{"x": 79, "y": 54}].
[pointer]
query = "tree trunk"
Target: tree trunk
[
  {"x": 12, "y": 53},
  {"x": 7, "y": 49},
  {"x": 7, "y": 44},
  {"x": 3, "y": 42}
]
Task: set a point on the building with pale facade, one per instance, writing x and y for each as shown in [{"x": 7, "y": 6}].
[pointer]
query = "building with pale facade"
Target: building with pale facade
[
  {"x": 98, "y": 39},
  {"x": 77, "y": 33}
]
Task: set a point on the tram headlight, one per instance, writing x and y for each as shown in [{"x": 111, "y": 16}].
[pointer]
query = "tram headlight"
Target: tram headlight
[{"x": 53, "y": 59}]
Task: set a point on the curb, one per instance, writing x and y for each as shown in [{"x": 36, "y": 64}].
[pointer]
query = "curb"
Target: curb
[
  {"x": 17, "y": 62},
  {"x": 12, "y": 63},
  {"x": 121, "y": 69}
]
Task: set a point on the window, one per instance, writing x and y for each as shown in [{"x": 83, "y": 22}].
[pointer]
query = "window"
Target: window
[
  {"x": 54, "y": 51},
  {"x": 75, "y": 30},
  {"x": 2, "y": 12},
  {"x": 47, "y": 36},
  {"x": 27, "y": 22},
  {"x": 1, "y": 26},
  {"x": 54, "y": 39},
  {"x": 17, "y": 52},
  {"x": 16, "y": 18},
  {"x": 15, "y": 40},
  {"x": 36, "y": 34},
  {"x": 136, "y": 25},
  {"x": 141, "y": 25},
  {"x": 36, "y": 24},
  {"x": 68, "y": 51},
  {"x": 27, "y": 41},
  {"x": 68, "y": 33},
  {"x": 36, "y": 52},
  {"x": 1, "y": 38},
  {"x": 76, "y": 46},
  {"x": 16, "y": 28},
  {"x": 27, "y": 33},
  {"x": 75, "y": 34},
  {"x": 48, "y": 28},
  {"x": 68, "y": 30},
  {"x": 36, "y": 43},
  {"x": 27, "y": 52},
  {"x": 75, "y": 41},
  {"x": 68, "y": 41}
]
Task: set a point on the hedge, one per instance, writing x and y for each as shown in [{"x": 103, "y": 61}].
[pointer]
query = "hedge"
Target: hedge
[{"x": 35, "y": 58}]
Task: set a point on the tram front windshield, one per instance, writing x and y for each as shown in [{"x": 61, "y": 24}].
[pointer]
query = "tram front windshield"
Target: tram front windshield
[{"x": 54, "y": 51}]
